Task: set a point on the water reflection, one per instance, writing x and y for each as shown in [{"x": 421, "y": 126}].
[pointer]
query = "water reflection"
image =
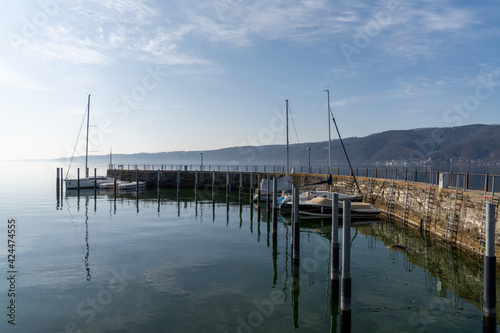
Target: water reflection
[{"x": 445, "y": 273}]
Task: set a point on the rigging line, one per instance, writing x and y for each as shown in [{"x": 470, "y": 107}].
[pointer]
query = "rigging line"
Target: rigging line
[
  {"x": 76, "y": 143},
  {"x": 316, "y": 119},
  {"x": 293, "y": 122},
  {"x": 345, "y": 152},
  {"x": 276, "y": 134}
]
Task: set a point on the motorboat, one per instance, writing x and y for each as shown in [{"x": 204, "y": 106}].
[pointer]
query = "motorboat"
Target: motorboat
[{"x": 322, "y": 207}]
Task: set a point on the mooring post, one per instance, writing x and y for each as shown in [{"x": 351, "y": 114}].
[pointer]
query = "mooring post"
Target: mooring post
[
  {"x": 275, "y": 208},
  {"x": 334, "y": 273},
  {"x": 195, "y": 182},
  {"x": 241, "y": 186},
  {"x": 78, "y": 178},
  {"x": 62, "y": 181},
  {"x": 58, "y": 184},
  {"x": 258, "y": 189},
  {"x": 213, "y": 185},
  {"x": 114, "y": 181},
  {"x": 268, "y": 195},
  {"x": 227, "y": 184},
  {"x": 296, "y": 227},
  {"x": 489, "y": 297},
  {"x": 158, "y": 180},
  {"x": 95, "y": 180},
  {"x": 345, "y": 293},
  {"x": 178, "y": 181},
  {"x": 137, "y": 182},
  {"x": 251, "y": 185}
]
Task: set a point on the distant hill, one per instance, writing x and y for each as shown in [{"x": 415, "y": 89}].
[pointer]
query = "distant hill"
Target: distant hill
[{"x": 462, "y": 144}]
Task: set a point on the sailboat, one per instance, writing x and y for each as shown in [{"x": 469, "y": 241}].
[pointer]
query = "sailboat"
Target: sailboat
[{"x": 86, "y": 182}]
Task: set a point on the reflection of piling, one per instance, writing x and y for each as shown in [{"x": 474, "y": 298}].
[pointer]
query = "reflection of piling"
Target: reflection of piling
[
  {"x": 335, "y": 238},
  {"x": 275, "y": 209},
  {"x": 489, "y": 298},
  {"x": 345, "y": 294}
]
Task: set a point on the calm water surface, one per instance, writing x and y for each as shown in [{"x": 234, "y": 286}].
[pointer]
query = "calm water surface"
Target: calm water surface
[{"x": 162, "y": 263}]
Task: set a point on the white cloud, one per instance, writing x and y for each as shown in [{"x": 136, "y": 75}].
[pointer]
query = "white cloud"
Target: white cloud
[{"x": 12, "y": 78}]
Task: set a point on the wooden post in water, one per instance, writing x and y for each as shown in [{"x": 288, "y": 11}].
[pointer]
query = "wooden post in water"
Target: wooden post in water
[
  {"x": 195, "y": 182},
  {"x": 178, "y": 181},
  {"x": 345, "y": 292},
  {"x": 95, "y": 180},
  {"x": 158, "y": 181},
  {"x": 78, "y": 178},
  {"x": 58, "y": 183},
  {"x": 241, "y": 187},
  {"x": 227, "y": 184},
  {"x": 334, "y": 273},
  {"x": 268, "y": 195},
  {"x": 137, "y": 182},
  {"x": 258, "y": 189},
  {"x": 489, "y": 297},
  {"x": 62, "y": 181},
  {"x": 114, "y": 181},
  {"x": 213, "y": 185},
  {"x": 251, "y": 185}
]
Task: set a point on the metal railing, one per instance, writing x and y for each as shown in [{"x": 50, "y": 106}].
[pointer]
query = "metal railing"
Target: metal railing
[{"x": 473, "y": 181}]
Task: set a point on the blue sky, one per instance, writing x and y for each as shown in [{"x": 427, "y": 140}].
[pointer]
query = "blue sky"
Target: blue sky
[{"x": 199, "y": 75}]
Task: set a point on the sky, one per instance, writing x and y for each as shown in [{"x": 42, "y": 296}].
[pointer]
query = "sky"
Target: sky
[{"x": 201, "y": 74}]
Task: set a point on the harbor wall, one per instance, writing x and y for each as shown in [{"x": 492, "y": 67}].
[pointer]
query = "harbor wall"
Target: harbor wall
[{"x": 408, "y": 198}]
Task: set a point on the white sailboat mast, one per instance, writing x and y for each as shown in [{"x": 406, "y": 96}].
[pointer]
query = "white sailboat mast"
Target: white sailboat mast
[
  {"x": 329, "y": 136},
  {"x": 287, "y": 142},
  {"x": 87, "y": 140}
]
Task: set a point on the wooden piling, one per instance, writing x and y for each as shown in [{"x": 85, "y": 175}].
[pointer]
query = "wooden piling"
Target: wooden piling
[
  {"x": 178, "y": 181},
  {"x": 334, "y": 273},
  {"x": 345, "y": 292},
  {"x": 241, "y": 187},
  {"x": 58, "y": 183},
  {"x": 95, "y": 180},
  {"x": 78, "y": 178},
  {"x": 137, "y": 182}
]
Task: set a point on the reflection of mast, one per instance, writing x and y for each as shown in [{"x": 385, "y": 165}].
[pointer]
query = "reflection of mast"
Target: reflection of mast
[{"x": 87, "y": 254}]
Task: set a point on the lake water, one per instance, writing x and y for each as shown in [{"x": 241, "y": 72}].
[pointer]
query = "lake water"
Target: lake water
[{"x": 162, "y": 263}]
